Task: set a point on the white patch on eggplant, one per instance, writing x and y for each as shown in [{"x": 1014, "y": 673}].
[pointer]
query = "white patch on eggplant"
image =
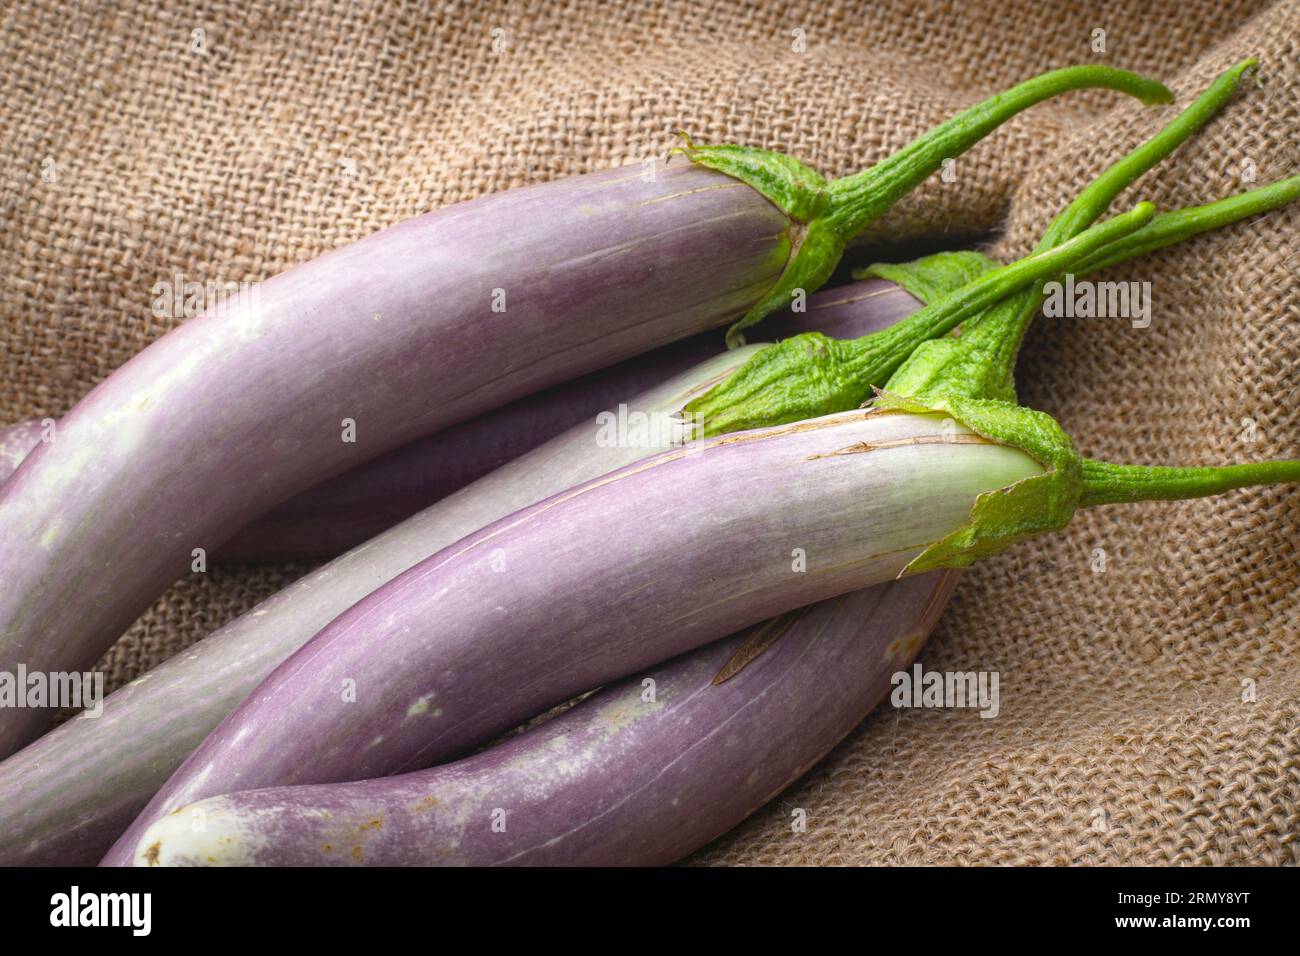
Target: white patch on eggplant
[{"x": 421, "y": 706}]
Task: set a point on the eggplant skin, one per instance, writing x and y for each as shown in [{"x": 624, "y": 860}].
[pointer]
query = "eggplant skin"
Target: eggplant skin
[
  {"x": 617, "y": 780},
  {"x": 694, "y": 544},
  {"x": 422, "y": 325},
  {"x": 65, "y": 798},
  {"x": 16, "y": 443},
  {"x": 347, "y": 510}
]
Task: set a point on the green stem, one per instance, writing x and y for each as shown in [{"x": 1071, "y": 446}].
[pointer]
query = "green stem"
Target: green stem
[
  {"x": 825, "y": 216},
  {"x": 1105, "y": 483},
  {"x": 1047, "y": 501},
  {"x": 1094, "y": 200},
  {"x": 863, "y": 197},
  {"x": 982, "y": 362},
  {"x": 1169, "y": 228},
  {"x": 810, "y": 374},
  {"x": 931, "y": 277},
  {"x": 931, "y": 322}
]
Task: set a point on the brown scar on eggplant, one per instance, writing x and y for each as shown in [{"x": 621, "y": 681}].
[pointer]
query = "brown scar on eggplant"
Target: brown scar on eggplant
[
  {"x": 906, "y": 645},
  {"x": 764, "y": 636},
  {"x": 858, "y": 448},
  {"x": 827, "y": 303}
]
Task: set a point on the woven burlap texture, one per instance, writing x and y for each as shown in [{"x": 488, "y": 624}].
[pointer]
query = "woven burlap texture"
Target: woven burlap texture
[{"x": 1148, "y": 711}]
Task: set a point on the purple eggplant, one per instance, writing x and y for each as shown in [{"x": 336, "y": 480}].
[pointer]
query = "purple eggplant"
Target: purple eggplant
[
  {"x": 420, "y": 326},
  {"x": 415, "y": 328},
  {"x": 640, "y": 773},
  {"x": 413, "y": 641},
  {"x": 349, "y": 509},
  {"x": 594, "y": 583},
  {"x": 66, "y": 797}
]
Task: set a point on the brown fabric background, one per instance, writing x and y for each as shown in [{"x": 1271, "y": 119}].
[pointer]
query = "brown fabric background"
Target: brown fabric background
[{"x": 1123, "y": 736}]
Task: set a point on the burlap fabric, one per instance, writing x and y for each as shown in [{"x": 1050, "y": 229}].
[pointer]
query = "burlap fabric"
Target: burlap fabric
[{"x": 134, "y": 147}]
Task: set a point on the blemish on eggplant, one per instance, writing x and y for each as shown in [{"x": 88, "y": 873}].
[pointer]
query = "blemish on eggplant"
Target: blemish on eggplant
[{"x": 905, "y": 646}]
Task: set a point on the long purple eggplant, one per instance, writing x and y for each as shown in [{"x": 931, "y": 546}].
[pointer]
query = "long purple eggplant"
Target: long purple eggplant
[
  {"x": 395, "y": 336},
  {"x": 349, "y": 509},
  {"x": 1031, "y": 504},
  {"x": 641, "y": 773},
  {"x": 65, "y": 798},
  {"x": 338, "y": 514},
  {"x": 894, "y": 344},
  {"x": 592, "y": 584},
  {"x": 418, "y": 327}
]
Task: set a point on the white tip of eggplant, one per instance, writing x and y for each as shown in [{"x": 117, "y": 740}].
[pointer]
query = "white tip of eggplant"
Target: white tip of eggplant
[{"x": 203, "y": 834}]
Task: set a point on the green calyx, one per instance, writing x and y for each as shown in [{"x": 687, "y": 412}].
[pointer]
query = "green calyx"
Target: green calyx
[
  {"x": 793, "y": 187},
  {"x": 1027, "y": 508},
  {"x": 983, "y": 364},
  {"x": 826, "y": 216},
  {"x": 811, "y": 374},
  {"x": 982, "y": 361},
  {"x": 930, "y": 278},
  {"x": 1046, "y": 502}
]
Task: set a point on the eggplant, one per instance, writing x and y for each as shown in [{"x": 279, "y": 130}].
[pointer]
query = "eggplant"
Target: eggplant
[
  {"x": 349, "y": 509},
  {"x": 422, "y": 325},
  {"x": 66, "y": 797},
  {"x": 888, "y": 348},
  {"x": 591, "y": 584},
  {"x": 640, "y": 773}
]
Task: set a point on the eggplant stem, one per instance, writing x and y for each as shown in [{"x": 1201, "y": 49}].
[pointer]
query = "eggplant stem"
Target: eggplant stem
[
  {"x": 1097, "y": 197},
  {"x": 811, "y": 375},
  {"x": 1105, "y": 483},
  {"x": 1169, "y": 228},
  {"x": 824, "y": 216},
  {"x": 983, "y": 363},
  {"x": 863, "y": 197}
]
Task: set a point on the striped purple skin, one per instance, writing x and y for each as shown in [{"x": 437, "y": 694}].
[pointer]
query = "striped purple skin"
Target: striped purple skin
[
  {"x": 344, "y": 511},
  {"x": 348, "y": 509},
  {"x": 240, "y": 408},
  {"x": 65, "y": 798},
  {"x": 694, "y": 544},
  {"x": 614, "y": 781}
]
